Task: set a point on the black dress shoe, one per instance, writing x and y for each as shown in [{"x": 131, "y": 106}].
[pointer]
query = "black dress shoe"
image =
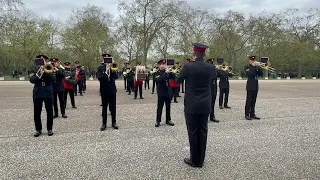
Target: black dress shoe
[
  {"x": 175, "y": 101},
  {"x": 55, "y": 116},
  {"x": 115, "y": 126},
  {"x": 103, "y": 127},
  {"x": 75, "y": 94},
  {"x": 50, "y": 133},
  {"x": 220, "y": 107},
  {"x": 37, "y": 134},
  {"x": 129, "y": 93},
  {"x": 255, "y": 117},
  {"x": 101, "y": 104},
  {"x": 248, "y": 118},
  {"x": 152, "y": 93},
  {"x": 188, "y": 161},
  {"x": 64, "y": 116},
  {"x": 214, "y": 120},
  {"x": 170, "y": 123},
  {"x": 135, "y": 98},
  {"x": 81, "y": 94},
  {"x": 178, "y": 96},
  {"x": 157, "y": 124},
  {"x": 141, "y": 98},
  {"x": 74, "y": 107},
  {"x": 228, "y": 107}
]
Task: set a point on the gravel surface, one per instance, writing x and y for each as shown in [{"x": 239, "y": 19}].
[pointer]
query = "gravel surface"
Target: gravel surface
[{"x": 284, "y": 144}]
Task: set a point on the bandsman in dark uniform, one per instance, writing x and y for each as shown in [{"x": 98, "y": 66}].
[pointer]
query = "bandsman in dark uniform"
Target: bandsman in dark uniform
[
  {"x": 42, "y": 92},
  {"x": 146, "y": 82},
  {"x": 102, "y": 64},
  {"x": 69, "y": 82},
  {"x": 197, "y": 104},
  {"x": 174, "y": 85},
  {"x": 153, "y": 73},
  {"x": 58, "y": 88},
  {"x": 213, "y": 87},
  {"x": 125, "y": 77},
  {"x": 79, "y": 73},
  {"x": 130, "y": 79},
  {"x": 224, "y": 87},
  {"x": 253, "y": 72},
  {"x": 84, "y": 79},
  {"x": 138, "y": 86},
  {"x": 188, "y": 60},
  {"x": 164, "y": 93},
  {"x": 108, "y": 91}
]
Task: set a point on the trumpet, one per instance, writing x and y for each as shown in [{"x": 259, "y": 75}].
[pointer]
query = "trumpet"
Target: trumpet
[
  {"x": 48, "y": 68},
  {"x": 174, "y": 68},
  {"x": 225, "y": 67},
  {"x": 264, "y": 66}
]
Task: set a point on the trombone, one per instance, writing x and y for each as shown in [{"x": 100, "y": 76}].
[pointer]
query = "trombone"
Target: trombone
[
  {"x": 264, "y": 66},
  {"x": 48, "y": 68}
]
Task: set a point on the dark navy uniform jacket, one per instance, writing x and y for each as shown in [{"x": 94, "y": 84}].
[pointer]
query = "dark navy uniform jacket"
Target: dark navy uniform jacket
[
  {"x": 59, "y": 77},
  {"x": 162, "y": 79},
  {"x": 42, "y": 87},
  {"x": 198, "y": 78},
  {"x": 107, "y": 85},
  {"x": 224, "y": 79},
  {"x": 253, "y": 73}
]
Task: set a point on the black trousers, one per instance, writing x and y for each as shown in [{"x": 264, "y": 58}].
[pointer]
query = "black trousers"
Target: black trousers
[
  {"x": 125, "y": 83},
  {"x": 71, "y": 94},
  {"x": 60, "y": 95},
  {"x": 130, "y": 86},
  {"x": 153, "y": 85},
  {"x": 225, "y": 92},
  {"x": 197, "y": 126},
  {"x": 79, "y": 83},
  {"x": 37, "y": 106},
  {"x": 213, "y": 102},
  {"x": 175, "y": 93},
  {"x": 251, "y": 102},
  {"x": 182, "y": 86},
  {"x": 84, "y": 85},
  {"x": 109, "y": 100},
  {"x": 146, "y": 84},
  {"x": 136, "y": 87},
  {"x": 161, "y": 102}
]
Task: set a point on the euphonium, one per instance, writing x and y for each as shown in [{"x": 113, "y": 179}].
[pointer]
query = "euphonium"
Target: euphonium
[{"x": 114, "y": 66}]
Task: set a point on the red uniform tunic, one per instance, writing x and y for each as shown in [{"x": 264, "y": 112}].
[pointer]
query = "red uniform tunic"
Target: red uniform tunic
[
  {"x": 67, "y": 85},
  {"x": 173, "y": 83},
  {"x": 138, "y": 82}
]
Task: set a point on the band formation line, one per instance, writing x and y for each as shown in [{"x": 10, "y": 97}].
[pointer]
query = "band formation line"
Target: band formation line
[{"x": 197, "y": 78}]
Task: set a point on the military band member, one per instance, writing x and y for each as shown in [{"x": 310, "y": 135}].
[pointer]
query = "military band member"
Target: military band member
[
  {"x": 79, "y": 73},
  {"x": 253, "y": 72},
  {"x": 188, "y": 60},
  {"x": 108, "y": 91},
  {"x": 130, "y": 79},
  {"x": 174, "y": 87},
  {"x": 153, "y": 73},
  {"x": 197, "y": 105},
  {"x": 224, "y": 87},
  {"x": 146, "y": 82},
  {"x": 84, "y": 80},
  {"x": 138, "y": 86},
  {"x": 214, "y": 89},
  {"x": 42, "y": 92},
  {"x": 125, "y": 77},
  {"x": 69, "y": 82},
  {"x": 58, "y": 88},
  {"x": 164, "y": 93}
]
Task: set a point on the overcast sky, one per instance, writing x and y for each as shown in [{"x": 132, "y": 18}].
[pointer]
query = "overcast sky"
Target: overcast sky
[{"x": 61, "y": 9}]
